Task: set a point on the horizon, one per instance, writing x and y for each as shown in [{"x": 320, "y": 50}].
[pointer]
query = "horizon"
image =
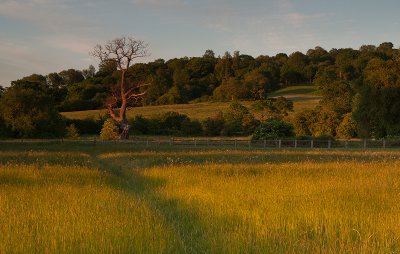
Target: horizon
[{"x": 43, "y": 36}]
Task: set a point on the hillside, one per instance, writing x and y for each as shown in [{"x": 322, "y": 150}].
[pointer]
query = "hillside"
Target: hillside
[{"x": 303, "y": 97}]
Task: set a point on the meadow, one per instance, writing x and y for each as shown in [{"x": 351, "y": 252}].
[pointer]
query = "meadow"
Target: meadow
[
  {"x": 303, "y": 97},
  {"x": 75, "y": 198}
]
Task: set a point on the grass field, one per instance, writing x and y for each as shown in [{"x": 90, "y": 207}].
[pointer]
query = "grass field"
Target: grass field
[
  {"x": 303, "y": 97},
  {"x": 117, "y": 199}
]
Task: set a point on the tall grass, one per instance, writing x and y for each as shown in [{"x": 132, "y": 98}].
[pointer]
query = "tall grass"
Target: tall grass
[{"x": 102, "y": 200}]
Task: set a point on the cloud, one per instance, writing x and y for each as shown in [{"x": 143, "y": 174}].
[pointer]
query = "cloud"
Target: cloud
[
  {"x": 46, "y": 14},
  {"x": 159, "y": 4},
  {"x": 73, "y": 44}
]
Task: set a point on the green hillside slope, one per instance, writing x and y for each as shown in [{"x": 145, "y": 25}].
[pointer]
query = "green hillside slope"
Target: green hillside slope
[{"x": 303, "y": 97}]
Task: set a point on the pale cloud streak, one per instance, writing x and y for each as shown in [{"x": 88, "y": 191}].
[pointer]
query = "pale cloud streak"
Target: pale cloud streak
[
  {"x": 56, "y": 31},
  {"x": 160, "y": 4}
]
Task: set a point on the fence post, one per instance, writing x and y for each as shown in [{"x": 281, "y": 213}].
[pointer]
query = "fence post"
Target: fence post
[
  {"x": 312, "y": 143},
  {"x": 295, "y": 143},
  {"x": 384, "y": 143},
  {"x": 235, "y": 144},
  {"x": 329, "y": 144},
  {"x": 195, "y": 142},
  {"x": 265, "y": 143},
  {"x": 147, "y": 142},
  {"x": 280, "y": 144},
  {"x": 94, "y": 140},
  {"x": 365, "y": 144}
]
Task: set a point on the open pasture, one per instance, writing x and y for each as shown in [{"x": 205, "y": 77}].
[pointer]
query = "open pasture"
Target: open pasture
[
  {"x": 303, "y": 97},
  {"x": 117, "y": 199}
]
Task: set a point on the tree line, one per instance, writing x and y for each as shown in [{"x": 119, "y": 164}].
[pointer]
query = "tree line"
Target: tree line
[{"x": 360, "y": 89}]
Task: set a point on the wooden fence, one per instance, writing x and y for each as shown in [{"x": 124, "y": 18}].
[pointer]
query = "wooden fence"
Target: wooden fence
[{"x": 229, "y": 143}]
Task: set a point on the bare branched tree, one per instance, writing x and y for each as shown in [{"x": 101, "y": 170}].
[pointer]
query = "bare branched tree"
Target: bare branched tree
[{"x": 122, "y": 51}]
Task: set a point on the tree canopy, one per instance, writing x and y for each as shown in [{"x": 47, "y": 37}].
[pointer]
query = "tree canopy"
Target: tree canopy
[{"x": 359, "y": 87}]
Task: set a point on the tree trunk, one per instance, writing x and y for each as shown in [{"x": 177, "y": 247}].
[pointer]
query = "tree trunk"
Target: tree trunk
[{"x": 121, "y": 118}]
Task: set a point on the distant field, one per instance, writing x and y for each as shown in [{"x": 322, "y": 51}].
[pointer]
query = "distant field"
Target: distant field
[
  {"x": 303, "y": 97},
  {"x": 119, "y": 199}
]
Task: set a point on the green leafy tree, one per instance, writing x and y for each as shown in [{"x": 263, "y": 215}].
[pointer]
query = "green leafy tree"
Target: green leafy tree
[
  {"x": 273, "y": 129},
  {"x": 71, "y": 76},
  {"x": 347, "y": 128},
  {"x": 302, "y": 122},
  {"x": 231, "y": 89},
  {"x": 29, "y": 111},
  {"x": 325, "y": 122},
  {"x": 338, "y": 96},
  {"x": 273, "y": 108},
  {"x": 238, "y": 120},
  {"x": 377, "y": 105},
  {"x": 89, "y": 72}
]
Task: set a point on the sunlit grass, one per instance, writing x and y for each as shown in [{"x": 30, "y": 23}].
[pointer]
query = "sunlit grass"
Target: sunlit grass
[
  {"x": 303, "y": 97},
  {"x": 50, "y": 208},
  {"x": 89, "y": 199}
]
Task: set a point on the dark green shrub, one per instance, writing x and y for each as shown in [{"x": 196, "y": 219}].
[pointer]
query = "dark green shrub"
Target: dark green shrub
[
  {"x": 191, "y": 127},
  {"x": 4, "y": 131},
  {"x": 213, "y": 126},
  {"x": 141, "y": 125},
  {"x": 87, "y": 126},
  {"x": 170, "y": 123},
  {"x": 273, "y": 129}
]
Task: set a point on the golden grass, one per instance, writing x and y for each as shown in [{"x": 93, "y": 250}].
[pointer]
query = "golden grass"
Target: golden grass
[
  {"x": 303, "y": 97},
  {"x": 120, "y": 199}
]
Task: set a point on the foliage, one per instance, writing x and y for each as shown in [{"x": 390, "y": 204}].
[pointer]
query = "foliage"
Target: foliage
[
  {"x": 302, "y": 123},
  {"x": 338, "y": 96},
  {"x": 273, "y": 108},
  {"x": 29, "y": 112},
  {"x": 214, "y": 125},
  {"x": 168, "y": 123},
  {"x": 273, "y": 129},
  {"x": 238, "y": 120},
  {"x": 325, "y": 122},
  {"x": 361, "y": 81},
  {"x": 87, "y": 126},
  {"x": 72, "y": 131},
  {"x": 4, "y": 130},
  {"x": 317, "y": 122},
  {"x": 109, "y": 130},
  {"x": 141, "y": 125},
  {"x": 347, "y": 129},
  {"x": 377, "y": 106}
]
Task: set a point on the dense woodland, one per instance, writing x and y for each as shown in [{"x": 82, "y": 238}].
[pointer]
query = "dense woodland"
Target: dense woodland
[{"x": 360, "y": 90}]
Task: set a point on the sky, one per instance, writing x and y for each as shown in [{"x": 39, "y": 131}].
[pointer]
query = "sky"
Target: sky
[{"x": 44, "y": 36}]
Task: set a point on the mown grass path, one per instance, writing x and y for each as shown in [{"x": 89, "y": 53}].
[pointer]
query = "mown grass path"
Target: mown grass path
[{"x": 118, "y": 199}]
